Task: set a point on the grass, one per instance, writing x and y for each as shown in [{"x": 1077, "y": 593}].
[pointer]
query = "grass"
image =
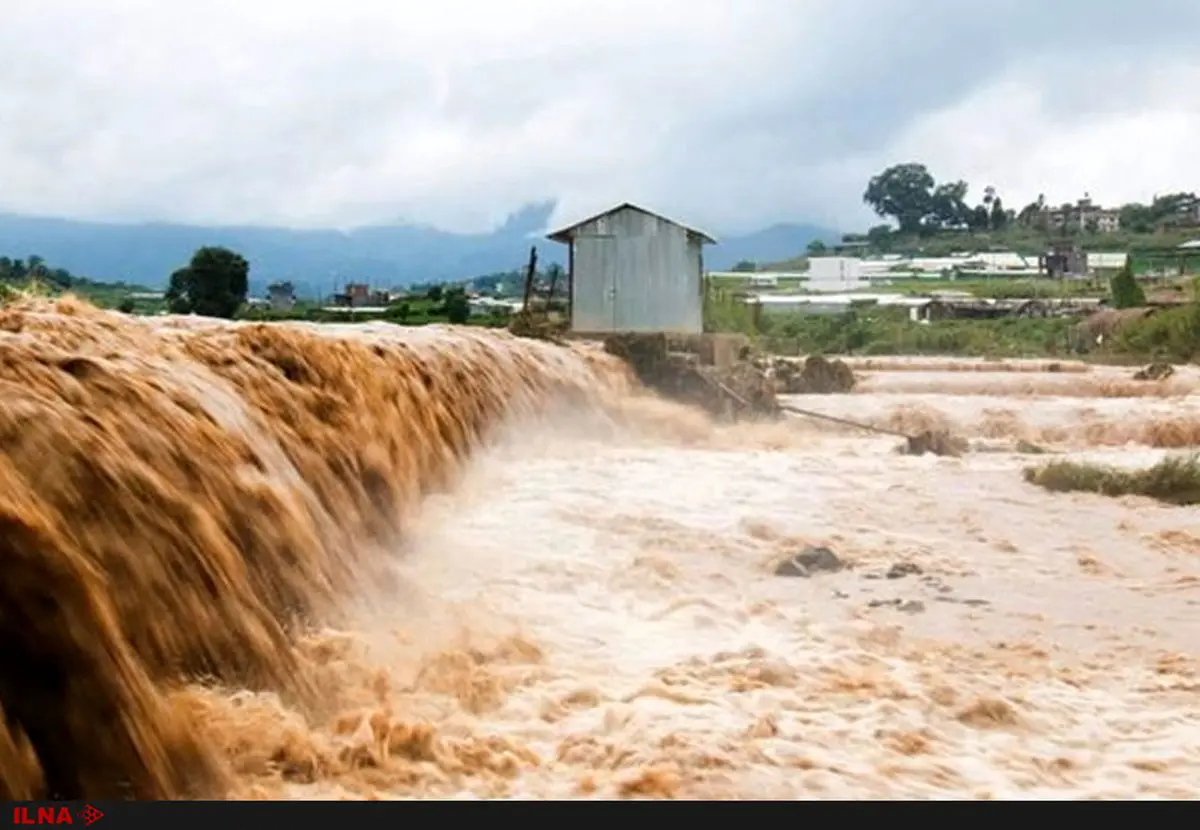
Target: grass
[
  {"x": 1171, "y": 335},
  {"x": 886, "y": 331},
  {"x": 889, "y": 332},
  {"x": 1001, "y": 288},
  {"x": 1174, "y": 480}
]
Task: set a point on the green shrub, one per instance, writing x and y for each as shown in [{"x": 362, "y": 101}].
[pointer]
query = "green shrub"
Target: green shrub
[
  {"x": 1173, "y": 335},
  {"x": 1124, "y": 289},
  {"x": 1174, "y": 480}
]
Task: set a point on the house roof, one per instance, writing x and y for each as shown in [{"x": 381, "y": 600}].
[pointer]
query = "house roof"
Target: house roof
[{"x": 564, "y": 234}]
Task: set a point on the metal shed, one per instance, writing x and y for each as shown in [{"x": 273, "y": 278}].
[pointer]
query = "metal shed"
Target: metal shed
[{"x": 632, "y": 270}]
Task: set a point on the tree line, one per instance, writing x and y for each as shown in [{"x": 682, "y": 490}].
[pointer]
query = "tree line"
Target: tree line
[
  {"x": 34, "y": 269},
  {"x": 216, "y": 283},
  {"x": 909, "y": 195}
]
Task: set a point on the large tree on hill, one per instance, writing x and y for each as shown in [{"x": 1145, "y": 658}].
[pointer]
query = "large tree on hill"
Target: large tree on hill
[
  {"x": 213, "y": 284},
  {"x": 903, "y": 192}
]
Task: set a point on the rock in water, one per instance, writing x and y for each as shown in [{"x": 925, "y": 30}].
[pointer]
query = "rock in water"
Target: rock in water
[{"x": 811, "y": 560}]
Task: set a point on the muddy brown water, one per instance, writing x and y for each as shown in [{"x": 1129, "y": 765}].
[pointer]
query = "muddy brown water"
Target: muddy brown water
[{"x": 427, "y": 589}]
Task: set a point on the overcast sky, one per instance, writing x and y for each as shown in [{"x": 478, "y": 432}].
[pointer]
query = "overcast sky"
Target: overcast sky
[{"x": 729, "y": 114}]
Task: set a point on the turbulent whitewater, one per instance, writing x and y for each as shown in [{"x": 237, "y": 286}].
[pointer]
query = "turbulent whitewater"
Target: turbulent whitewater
[
  {"x": 250, "y": 561},
  {"x": 179, "y": 498}
]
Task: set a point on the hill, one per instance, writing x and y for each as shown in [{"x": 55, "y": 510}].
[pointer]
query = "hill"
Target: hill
[{"x": 316, "y": 261}]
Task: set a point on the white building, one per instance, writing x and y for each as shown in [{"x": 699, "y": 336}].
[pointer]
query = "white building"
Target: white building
[{"x": 835, "y": 273}]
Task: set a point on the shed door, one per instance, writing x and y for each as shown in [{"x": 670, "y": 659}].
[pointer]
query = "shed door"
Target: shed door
[{"x": 595, "y": 280}]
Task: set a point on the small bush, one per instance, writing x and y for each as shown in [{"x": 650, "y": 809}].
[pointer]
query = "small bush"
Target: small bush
[
  {"x": 1174, "y": 480},
  {"x": 1125, "y": 291},
  {"x": 456, "y": 306}
]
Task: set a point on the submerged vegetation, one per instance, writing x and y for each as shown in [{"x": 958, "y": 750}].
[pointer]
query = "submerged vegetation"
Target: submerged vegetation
[{"x": 1173, "y": 480}]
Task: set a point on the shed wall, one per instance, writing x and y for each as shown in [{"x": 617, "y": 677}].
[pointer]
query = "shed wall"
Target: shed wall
[{"x": 636, "y": 272}]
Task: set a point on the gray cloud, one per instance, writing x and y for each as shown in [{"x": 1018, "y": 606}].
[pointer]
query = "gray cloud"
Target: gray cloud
[{"x": 457, "y": 113}]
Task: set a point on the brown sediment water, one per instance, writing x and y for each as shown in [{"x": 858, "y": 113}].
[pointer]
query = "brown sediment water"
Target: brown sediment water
[
  {"x": 911, "y": 364},
  {"x": 177, "y": 498},
  {"x": 573, "y": 601},
  {"x": 1099, "y": 382}
]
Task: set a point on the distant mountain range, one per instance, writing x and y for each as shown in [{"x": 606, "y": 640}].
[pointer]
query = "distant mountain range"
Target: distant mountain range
[{"x": 317, "y": 261}]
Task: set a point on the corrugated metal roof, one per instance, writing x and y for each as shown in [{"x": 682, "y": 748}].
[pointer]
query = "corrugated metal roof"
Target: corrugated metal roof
[{"x": 564, "y": 234}]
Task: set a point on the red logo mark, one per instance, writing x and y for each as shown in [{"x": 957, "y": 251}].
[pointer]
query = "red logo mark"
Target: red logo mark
[{"x": 89, "y": 815}]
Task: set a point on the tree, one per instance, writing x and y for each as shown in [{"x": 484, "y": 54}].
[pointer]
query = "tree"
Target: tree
[
  {"x": 817, "y": 248},
  {"x": 999, "y": 217},
  {"x": 1124, "y": 290},
  {"x": 1169, "y": 206},
  {"x": 880, "y": 237},
  {"x": 126, "y": 306},
  {"x": 903, "y": 192},
  {"x": 457, "y": 307},
  {"x": 948, "y": 206},
  {"x": 1137, "y": 218},
  {"x": 434, "y": 294},
  {"x": 213, "y": 284},
  {"x": 398, "y": 312},
  {"x": 746, "y": 267},
  {"x": 1031, "y": 215},
  {"x": 35, "y": 268}
]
